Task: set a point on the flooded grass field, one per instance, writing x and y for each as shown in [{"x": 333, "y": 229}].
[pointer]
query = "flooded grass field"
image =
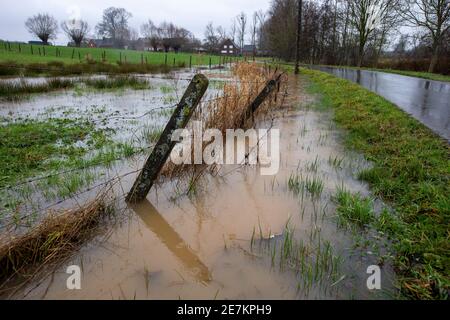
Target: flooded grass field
[{"x": 301, "y": 234}]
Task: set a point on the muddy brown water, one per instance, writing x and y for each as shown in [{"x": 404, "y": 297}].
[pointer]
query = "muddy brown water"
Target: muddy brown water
[{"x": 219, "y": 243}]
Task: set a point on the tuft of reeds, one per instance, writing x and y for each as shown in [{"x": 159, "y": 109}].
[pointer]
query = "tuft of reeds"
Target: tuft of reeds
[
  {"x": 52, "y": 241},
  {"x": 228, "y": 109}
]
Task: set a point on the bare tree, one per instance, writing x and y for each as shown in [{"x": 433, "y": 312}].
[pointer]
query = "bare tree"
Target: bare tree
[
  {"x": 254, "y": 29},
  {"x": 173, "y": 36},
  {"x": 261, "y": 16},
  {"x": 152, "y": 33},
  {"x": 221, "y": 33},
  {"x": 133, "y": 34},
  {"x": 432, "y": 15},
  {"x": 75, "y": 30},
  {"x": 366, "y": 16},
  {"x": 114, "y": 23},
  {"x": 233, "y": 31},
  {"x": 43, "y": 26},
  {"x": 211, "y": 38},
  {"x": 242, "y": 29}
]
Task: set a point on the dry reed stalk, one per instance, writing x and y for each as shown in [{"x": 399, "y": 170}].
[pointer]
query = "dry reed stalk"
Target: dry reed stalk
[
  {"x": 229, "y": 109},
  {"x": 52, "y": 241}
]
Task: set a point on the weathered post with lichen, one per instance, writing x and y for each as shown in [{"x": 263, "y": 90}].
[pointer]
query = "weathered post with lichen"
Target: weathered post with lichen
[{"x": 163, "y": 148}]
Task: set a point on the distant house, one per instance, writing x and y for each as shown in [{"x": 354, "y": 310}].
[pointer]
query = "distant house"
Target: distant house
[
  {"x": 106, "y": 43},
  {"x": 229, "y": 48},
  {"x": 140, "y": 44},
  {"x": 249, "y": 50},
  {"x": 38, "y": 43}
]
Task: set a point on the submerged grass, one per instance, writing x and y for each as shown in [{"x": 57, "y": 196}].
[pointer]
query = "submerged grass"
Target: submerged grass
[
  {"x": 353, "y": 209},
  {"x": 312, "y": 185},
  {"x": 29, "y": 147},
  {"x": 411, "y": 172}
]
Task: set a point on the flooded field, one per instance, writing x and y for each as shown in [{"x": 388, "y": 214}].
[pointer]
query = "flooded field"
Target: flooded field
[{"x": 240, "y": 235}]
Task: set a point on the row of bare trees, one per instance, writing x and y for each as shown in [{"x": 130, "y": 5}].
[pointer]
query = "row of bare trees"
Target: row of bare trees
[
  {"x": 357, "y": 32},
  {"x": 114, "y": 26},
  {"x": 243, "y": 30},
  {"x": 167, "y": 35}
]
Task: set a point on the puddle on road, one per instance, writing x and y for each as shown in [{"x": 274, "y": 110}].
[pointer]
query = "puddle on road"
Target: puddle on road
[{"x": 228, "y": 240}]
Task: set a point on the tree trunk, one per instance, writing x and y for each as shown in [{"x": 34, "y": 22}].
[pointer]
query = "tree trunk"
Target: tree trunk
[
  {"x": 360, "y": 55},
  {"x": 435, "y": 57}
]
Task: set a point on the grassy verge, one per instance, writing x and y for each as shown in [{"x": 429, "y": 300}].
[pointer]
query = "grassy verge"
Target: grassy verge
[
  {"x": 417, "y": 74},
  {"x": 411, "y": 172},
  {"x": 38, "y": 54}
]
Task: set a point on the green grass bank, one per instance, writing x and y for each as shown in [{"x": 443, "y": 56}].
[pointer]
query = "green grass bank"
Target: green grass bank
[{"x": 411, "y": 173}]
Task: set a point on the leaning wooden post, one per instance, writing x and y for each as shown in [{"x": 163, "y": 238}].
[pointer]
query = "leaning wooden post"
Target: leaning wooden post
[
  {"x": 163, "y": 148},
  {"x": 268, "y": 89}
]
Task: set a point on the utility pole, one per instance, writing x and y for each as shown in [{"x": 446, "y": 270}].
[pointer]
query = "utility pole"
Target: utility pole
[{"x": 299, "y": 34}]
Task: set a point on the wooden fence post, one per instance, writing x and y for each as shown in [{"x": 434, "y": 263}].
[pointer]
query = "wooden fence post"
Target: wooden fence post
[
  {"x": 31, "y": 48},
  {"x": 268, "y": 89},
  {"x": 190, "y": 62},
  {"x": 163, "y": 148}
]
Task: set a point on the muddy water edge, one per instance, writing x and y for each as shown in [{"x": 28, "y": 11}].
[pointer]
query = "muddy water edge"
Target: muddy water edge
[{"x": 242, "y": 235}]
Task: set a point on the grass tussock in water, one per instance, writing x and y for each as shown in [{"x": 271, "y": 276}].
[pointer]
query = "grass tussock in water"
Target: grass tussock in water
[
  {"x": 50, "y": 242},
  {"x": 117, "y": 83},
  {"x": 353, "y": 209},
  {"x": 411, "y": 172},
  {"x": 13, "y": 91},
  {"x": 16, "y": 90}
]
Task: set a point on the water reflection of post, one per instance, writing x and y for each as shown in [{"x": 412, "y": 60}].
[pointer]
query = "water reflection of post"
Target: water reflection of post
[{"x": 156, "y": 223}]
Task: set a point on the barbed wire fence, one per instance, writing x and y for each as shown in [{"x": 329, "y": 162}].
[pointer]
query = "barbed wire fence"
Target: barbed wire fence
[{"x": 117, "y": 177}]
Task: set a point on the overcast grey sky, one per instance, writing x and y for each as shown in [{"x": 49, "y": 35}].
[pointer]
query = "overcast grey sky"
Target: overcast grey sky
[{"x": 192, "y": 15}]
